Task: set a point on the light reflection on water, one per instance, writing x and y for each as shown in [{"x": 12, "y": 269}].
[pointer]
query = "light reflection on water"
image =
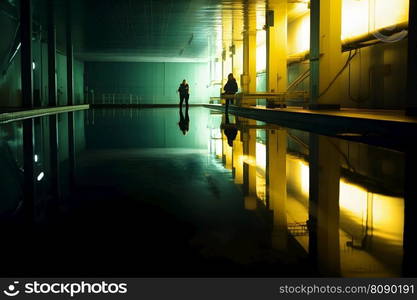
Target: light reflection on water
[{"x": 369, "y": 240}]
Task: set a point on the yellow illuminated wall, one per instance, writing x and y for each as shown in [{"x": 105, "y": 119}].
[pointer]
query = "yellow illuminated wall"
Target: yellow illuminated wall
[
  {"x": 360, "y": 17},
  {"x": 298, "y": 176},
  {"x": 261, "y": 51},
  {"x": 385, "y": 213},
  {"x": 260, "y": 171},
  {"x": 260, "y": 41},
  {"x": 299, "y": 34}
]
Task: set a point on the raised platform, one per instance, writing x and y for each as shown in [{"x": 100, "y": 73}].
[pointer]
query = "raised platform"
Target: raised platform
[
  {"x": 110, "y": 105},
  {"x": 386, "y": 128}
]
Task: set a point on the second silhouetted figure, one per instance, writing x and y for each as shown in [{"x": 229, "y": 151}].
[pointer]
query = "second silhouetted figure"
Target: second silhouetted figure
[{"x": 230, "y": 88}]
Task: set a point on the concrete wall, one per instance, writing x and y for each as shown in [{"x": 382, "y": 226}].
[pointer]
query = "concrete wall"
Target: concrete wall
[{"x": 156, "y": 83}]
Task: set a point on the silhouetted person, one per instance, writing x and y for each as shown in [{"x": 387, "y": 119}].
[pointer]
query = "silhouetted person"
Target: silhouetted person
[
  {"x": 184, "y": 91},
  {"x": 230, "y": 88},
  {"x": 230, "y": 130},
  {"x": 184, "y": 123}
]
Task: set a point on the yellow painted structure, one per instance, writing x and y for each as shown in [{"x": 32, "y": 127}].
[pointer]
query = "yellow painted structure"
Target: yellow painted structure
[
  {"x": 277, "y": 188},
  {"x": 276, "y": 47},
  {"x": 248, "y": 80},
  {"x": 251, "y": 48}
]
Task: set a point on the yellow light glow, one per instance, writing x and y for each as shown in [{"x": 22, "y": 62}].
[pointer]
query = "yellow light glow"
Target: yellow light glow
[
  {"x": 353, "y": 201},
  {"x": 386, "y": 213},
  {"x": 299, "y": 34},
  {"x": 260, "y": 171},
  {"x": 219, "y": 148},
  {"x": 361, "y": 17},
  {"x": 227, "y": 68},
  {"x": 261, "y": 51},
  {"x": 238, "y": 159},
  {"x": 261, "y": 156},
  {"x": 305, "y": 178},
  {"x": 250, "y": 160},
  {"x": 388, "y": 217},
  {"x": 298, "y": 175}
]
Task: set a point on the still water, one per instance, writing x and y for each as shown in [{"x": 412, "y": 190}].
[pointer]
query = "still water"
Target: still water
[{"x": 197, "y": 192}]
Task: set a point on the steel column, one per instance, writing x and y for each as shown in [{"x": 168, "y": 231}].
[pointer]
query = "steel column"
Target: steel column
[
  {"x": 70, "y": 93},
  {"x": 27, "y": 101},
  {"x": 53, "y": 101},
  {"x": 412, "y": 60}
]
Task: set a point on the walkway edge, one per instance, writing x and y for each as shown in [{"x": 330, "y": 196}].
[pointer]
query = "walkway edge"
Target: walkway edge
[{"x": 39, "y": 112}]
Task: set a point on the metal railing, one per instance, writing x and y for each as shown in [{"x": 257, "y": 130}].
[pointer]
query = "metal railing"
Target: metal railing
[{"x": 115, "y": 98}]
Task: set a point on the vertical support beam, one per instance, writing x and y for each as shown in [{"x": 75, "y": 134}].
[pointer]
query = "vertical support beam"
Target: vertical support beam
[
  {"x": 325, "y": 52},
  {"x": 412, "y": 60},
  {"x": 70, "y": 93},
  {"x": 276, "y": 47},
  {"x": 410, "y": 220},
  {"x": 52, "y": 97},
  {"x": 227, "y": 153},
  {"x": 324, "y": 248},
  {"x": 277, "y": 185},
  {"x": 250, "y": 199},
  {"x": 237, "y": 42},
  {"x": 27, "y": 101},
  {"x": 314, "y": 51},
  {"x": 238, "y": 159},
  {"x": 227, "y": 33},
  {"x": 70, "y": 57},
  {"x": 26, "y": 52},
  {"x": 248, "y": 79},
  {"x": 52, "y": 85},
  {"x": 252, "y": 159}
]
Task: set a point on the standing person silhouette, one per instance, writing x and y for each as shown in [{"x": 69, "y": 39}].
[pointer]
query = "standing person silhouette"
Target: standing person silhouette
[{"x": 184, "y": 91}]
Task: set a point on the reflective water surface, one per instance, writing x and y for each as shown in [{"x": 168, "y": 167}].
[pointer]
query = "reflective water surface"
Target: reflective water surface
[{"x": 197, "y": 192}]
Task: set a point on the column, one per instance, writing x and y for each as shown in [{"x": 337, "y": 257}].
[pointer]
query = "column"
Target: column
[
  {"x": 70, "y": 93},
  {"x": 410, "y": 209},
  {"x": 325, "y": 52},
  {"x": 238, "y": 159},
  {"x": 248, "y": 79},
  {"x": 53, "y": 101},
  {"x": 412, "y": 61},
  {"x": 277, "y": 185},
  {"x": 324, "y": 248},
  {"x": 276, "y": 46},
  {"x": 226, "y": 43},
  {"x": 250, "y": 167},
  {"x": 237, "y": 42},
  {"x": 27, "y": 103}
]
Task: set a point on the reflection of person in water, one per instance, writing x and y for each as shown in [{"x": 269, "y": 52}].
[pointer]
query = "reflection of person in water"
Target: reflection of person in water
[
  {"x": 184, "y": 122},
  {"x": 230, "y": 130}
]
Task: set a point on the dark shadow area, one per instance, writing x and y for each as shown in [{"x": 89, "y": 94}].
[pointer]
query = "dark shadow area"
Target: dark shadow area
[{"x": 172, "y": 216}]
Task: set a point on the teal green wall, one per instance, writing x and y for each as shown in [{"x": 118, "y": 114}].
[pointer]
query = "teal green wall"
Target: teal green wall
[
  {"x": 156, "y": 83},
  {"x": 146, "y": 128},
  {"x": 10, "y": 79}
]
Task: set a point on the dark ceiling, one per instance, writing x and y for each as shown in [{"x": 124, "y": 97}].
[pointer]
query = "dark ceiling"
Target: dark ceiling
[{"x": 146, "y": 29}]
